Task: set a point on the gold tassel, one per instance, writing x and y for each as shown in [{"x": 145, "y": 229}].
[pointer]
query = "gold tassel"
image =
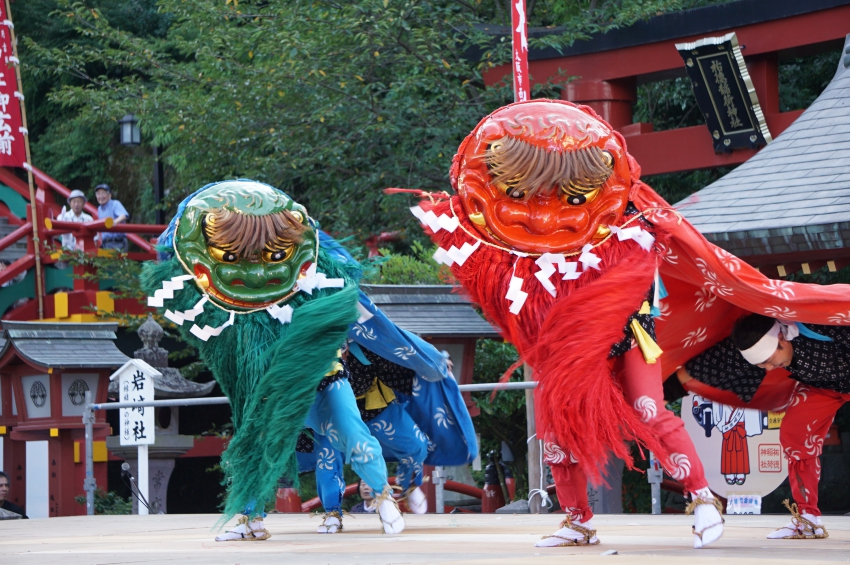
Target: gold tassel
[{"x": 651, "y": 351}]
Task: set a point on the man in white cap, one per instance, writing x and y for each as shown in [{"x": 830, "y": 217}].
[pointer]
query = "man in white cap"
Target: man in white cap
[
  {"x": 818, "y": 357},
  {"x": 76, "y": 200}
]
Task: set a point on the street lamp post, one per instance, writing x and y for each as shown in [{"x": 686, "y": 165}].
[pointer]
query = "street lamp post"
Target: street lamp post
[{"x": 131, "y": 135}]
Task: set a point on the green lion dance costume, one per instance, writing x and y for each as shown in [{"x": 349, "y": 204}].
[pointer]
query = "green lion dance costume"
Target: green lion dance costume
[{"x": 244, "y": 278}]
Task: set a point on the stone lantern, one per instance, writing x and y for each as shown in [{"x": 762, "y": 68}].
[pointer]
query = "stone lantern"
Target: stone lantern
[{"x": 169, "y": 443}]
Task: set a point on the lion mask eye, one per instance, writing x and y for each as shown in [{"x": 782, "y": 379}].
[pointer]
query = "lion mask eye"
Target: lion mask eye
[
  {"x": 222, "y": 255},
  {"x": 277, "y": 255}
]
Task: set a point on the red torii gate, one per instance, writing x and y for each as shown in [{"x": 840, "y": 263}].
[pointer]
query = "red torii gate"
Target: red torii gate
[{"x": 611, "y": 66}]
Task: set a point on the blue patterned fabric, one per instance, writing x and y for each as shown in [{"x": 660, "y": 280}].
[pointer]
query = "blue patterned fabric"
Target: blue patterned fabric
[
  {"x": 338, "y": 429},
  {"x": 435, "y": 404}
]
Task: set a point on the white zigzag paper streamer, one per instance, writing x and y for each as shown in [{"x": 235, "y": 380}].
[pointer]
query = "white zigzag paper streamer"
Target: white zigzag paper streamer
[
  {"x": 516, "y": 295},
  {"x": 641, "y": 237},
  {"x": 187, "y": 315},
  {"x": 547, "y": 269},
  {"x": 455, "y": 255},
  {"x": 433, "y": 222},
  {"x": 207, "y": 332},
  {"x": 167, "y": 290},
  {"x": 314, "y": 280},
  {"x": 588, "y": 258},
  {"x": 570, "y": 270},
  {"x": 282, "y": 314}
]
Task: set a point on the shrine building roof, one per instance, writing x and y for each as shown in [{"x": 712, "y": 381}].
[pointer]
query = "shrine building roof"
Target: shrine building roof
[
  {"x": 63, "y": 346},
  {"x": 793, "y": 196},
  {"x": 430, "y": 311}
]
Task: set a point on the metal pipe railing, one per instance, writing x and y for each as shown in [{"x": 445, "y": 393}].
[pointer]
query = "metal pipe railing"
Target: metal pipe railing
[{"x": 90, "y": 483}]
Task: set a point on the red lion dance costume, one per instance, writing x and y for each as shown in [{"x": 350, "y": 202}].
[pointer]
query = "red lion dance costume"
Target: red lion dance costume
[
  {"x": 552, "y": 233},
  {"x": 556, "y": 238}
]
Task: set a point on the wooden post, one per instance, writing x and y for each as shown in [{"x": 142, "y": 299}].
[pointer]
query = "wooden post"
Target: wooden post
[{"x": 534, "y": 467}]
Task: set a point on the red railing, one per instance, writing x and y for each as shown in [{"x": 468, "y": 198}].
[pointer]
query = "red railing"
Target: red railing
[{"x": 45, "y": 209}]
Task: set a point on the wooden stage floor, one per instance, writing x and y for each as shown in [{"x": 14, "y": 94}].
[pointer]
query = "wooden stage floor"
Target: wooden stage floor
[{"x": 449, "y": 538}]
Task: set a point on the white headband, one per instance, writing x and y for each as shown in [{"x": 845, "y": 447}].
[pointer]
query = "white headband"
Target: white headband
[{"x": 764, "y": 348}]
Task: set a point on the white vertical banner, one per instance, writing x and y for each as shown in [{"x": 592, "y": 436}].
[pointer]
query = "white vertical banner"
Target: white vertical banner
[{"x": 38, "y": 480}]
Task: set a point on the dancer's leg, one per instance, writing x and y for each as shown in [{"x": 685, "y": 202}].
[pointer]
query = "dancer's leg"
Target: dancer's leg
[
  {"x": 571, "y": 487},
  {"x": 330, "y": 484},
  {"x": 642, "y": 388},
  {"x": 801, "y": 434},
  {"x": 402, "y": 439},
  {"x": 335, "y": 416}
]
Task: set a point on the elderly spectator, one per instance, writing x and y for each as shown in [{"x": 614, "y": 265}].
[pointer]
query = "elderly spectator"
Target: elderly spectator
[
  {"x": 76, "y": 201},
  {"x": 8, "y": 511},
  {"x": 109, "y": 208}
]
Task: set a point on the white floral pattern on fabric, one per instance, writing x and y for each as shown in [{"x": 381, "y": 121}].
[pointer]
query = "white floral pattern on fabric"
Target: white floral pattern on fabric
[
  {"x": 646, "y": 407},
  {"x": 362, "y": 452},
  {"x": 729, "y": 261},
  {"x": 552, "y": 453},
  {"x": 417, "y": 387},
  {"x": 667, "y": 253},
  {"x": 420, "y": 435},
  {"x": 840, "y": 318},
  {"x": 814, "y": 442},
  {"x": 800, "y": 395},
  {"x": 326, "y": 459},
  {"x": 705, "y": 299},
  {"x": 404, "y": 352},
  {"x": 695, "y": 337},
  {"x": 792, "y": 454},
  {"x": 681, "y": 466},
  {"x": 385, "y": 428},
  {"x": 364, "y": 332},
  {"x": 712, "y": 282},
  {"x": 327, "y": 429},
  {"x": 780, "y": 289},
  {"x": 664, "y": 310},
  {"x": 432, "y": 447},
  {"x": 443, "y": 418},
  {"x": 780, "y": 312}
]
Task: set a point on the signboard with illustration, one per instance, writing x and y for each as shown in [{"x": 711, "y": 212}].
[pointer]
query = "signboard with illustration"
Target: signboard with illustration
[{"x": 739, "y": 448}]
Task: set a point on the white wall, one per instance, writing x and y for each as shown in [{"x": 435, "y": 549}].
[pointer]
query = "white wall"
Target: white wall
[{"x": 38, "y": 475}]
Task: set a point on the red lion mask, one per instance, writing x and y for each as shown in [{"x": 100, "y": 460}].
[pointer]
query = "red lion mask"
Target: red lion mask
[{"x": 543, "y": 176}]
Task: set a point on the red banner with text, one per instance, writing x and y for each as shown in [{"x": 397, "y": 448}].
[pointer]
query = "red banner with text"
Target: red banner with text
[
  {"x": 12, "y": 149},
  {"x": 522, "y": 90}
]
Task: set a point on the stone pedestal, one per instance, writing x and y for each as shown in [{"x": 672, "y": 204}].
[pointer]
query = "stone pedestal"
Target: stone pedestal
[
  {"x": 608, "y": 500},
  {"x": 460, "y": 474},
  {"x": 161, "y": 463}
]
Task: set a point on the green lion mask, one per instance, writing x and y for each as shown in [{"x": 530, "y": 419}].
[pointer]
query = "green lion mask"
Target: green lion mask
[{"x": 246, "y": 244}]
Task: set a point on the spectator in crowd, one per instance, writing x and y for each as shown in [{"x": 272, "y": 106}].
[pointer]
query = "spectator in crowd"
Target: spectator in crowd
[
  {"x": 109, "y": 208},
  {"x": 4, "y": 264},
  {"x": 76, "y": 201},
  {"x": 368, "y": 497},
  {"x": 8, "y": 511}
]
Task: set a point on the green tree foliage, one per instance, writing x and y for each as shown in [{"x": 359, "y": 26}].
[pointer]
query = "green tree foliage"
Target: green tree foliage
[
  {"x": 503, "y": 416},
  {"x": 331, "y": 101}
]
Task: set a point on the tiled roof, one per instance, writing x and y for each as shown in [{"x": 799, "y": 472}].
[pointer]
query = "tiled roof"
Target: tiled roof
[
  {"x": 793, "y": 195},
  {"x": 430, "y": 311},
  {"x": 60, "y": 346}
]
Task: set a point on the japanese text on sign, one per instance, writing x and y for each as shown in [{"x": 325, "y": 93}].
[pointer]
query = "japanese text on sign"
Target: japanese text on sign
[{"x": 137, "y": 423}]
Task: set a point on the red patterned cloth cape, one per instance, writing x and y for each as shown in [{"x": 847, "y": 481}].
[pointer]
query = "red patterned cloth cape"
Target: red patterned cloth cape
[{"x": 567, "y": 338}]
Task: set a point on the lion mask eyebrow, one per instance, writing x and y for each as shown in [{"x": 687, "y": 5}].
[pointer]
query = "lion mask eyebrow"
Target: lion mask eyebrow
[
  {"x": 521, "y": 169},
  {"x": 246, "y": 234}
]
